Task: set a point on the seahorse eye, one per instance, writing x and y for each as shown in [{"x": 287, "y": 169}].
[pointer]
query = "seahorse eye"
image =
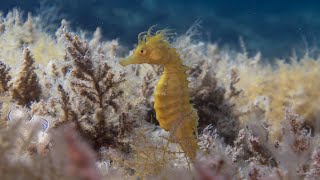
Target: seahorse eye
[{"x": 143, "y": 52}]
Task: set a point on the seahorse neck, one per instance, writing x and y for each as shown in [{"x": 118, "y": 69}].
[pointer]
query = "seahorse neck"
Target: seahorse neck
[
  {"x": 176, "y": 75},
  {"x": 176, "y": 68}
]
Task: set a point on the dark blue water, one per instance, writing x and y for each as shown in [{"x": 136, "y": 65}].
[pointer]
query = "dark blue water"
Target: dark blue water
[{"x": 274, "y": 27}]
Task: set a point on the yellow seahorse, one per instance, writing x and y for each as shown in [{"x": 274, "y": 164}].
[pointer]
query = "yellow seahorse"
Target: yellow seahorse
[{"x": 172, "y": 98}]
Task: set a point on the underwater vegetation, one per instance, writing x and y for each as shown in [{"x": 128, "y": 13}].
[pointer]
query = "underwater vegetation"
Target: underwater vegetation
[{"x": 69, "y": 110}]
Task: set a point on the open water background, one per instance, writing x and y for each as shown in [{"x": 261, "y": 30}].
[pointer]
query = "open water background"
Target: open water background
[{"x": 274, "y": 27}]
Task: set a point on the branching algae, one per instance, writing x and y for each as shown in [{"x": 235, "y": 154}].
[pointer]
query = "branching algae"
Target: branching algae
[{"x": 172, "y": 98}]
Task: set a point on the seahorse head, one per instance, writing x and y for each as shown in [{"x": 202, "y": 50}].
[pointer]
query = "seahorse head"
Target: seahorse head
[{"x": 153, "y": 48}]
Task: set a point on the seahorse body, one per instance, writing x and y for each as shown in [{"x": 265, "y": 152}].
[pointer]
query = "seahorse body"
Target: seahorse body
[
  {"x": 173, "y": 109},
  {"x": 172, "y": 97}
]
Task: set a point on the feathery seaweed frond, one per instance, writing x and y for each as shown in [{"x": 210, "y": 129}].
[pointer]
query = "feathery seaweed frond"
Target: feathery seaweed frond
[
  {"x": 4, "y": 77},
  {"x": 25, "y": 87},
  {"x": 93, "y": 90}
]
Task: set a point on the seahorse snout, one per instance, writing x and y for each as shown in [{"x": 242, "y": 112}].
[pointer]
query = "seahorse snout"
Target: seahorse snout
[{"x": 129, "y": 60}]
